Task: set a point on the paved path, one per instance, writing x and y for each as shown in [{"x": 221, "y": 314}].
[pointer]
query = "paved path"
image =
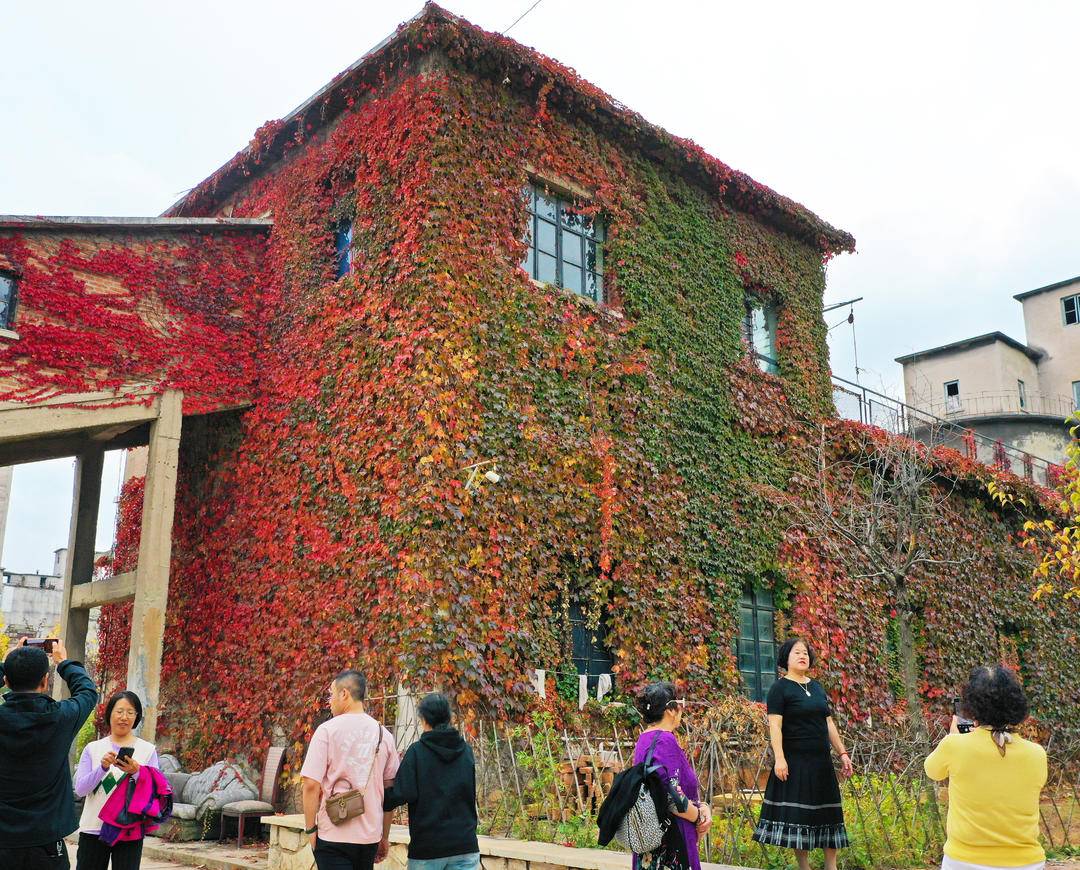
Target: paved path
[
  {"x": 206, "y": 854},
  {"x": 147, "y": 863}
]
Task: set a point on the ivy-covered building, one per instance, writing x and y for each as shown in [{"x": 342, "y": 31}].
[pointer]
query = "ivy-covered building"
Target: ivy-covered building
[{"x": 527, "y": 378}]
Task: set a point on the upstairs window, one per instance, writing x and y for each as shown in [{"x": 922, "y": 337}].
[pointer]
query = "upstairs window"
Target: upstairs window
[
  {"x": 756, "y": 646},
  {"x": 1022, "y": 393},
  {"x": 590, "y": 652},
  {"x": 1076, "y": 395},
  {"x": 952, "y": 397},
  {"x": 1071, "y": 308},
  {"x": 565, "y": 248},
  {"x": 8, "y": 294},
  {"x": 343, "y": 248},
  {"x": 759, "y": 334}
]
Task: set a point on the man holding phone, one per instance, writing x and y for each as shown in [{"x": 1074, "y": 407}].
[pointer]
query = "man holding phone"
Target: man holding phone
[{"x": 37, "y": 807}]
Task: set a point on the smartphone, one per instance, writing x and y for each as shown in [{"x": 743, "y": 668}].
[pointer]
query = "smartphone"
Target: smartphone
[
  {"x": 963, "y": 724},
  {"x": 125, "y": 752},
  {"x": 46, "y": 643}
]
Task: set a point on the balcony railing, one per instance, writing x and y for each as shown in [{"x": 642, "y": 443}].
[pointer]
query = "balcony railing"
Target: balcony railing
[
  {"x": 856, "y": 402},
  {"x": 987, "y": 404}
]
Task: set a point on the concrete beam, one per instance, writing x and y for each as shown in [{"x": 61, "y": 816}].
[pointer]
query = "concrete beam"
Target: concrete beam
[
  {"x": 120, "y": 587},
  {"x": 80, "y": 563},
  {"x": 39, "y": 421},
  {"x": 70, "y": 222},
  {"x": 155, "y": 553},
  {"x": 70, "y": 444}
]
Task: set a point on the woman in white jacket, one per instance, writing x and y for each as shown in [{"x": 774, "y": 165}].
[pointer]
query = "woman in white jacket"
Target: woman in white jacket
[{"x": 101, "y": 769}]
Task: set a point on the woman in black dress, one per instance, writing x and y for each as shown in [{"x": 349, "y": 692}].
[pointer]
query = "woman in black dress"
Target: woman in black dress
[{"x": 802, "y": 809}]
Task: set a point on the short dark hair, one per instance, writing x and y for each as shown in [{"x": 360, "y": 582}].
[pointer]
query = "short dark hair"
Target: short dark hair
[
  {"x": 354, "y": 681},
  {"x": 435, "y": 709},
  {"x": 994, "y": 697},
  {"x": 785, "y": 651},
  {"x": 654, "y": 699},
  {"x": 25, "y": 667},
  {"x": 132, "y": 699}
]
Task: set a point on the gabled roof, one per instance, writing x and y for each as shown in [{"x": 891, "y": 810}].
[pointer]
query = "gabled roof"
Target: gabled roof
[
  {"x": 968, "y": 343},
  {"x": 1056, "y": 286},
  {"x": 464, "y": 44}
]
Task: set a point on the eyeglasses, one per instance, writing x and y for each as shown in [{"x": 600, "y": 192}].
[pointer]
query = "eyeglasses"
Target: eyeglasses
[{"x": 678, "y": 702}]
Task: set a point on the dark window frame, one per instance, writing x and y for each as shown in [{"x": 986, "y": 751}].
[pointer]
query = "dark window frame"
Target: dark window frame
[
  {"x": 567, "y": 221},
  {"x": 771, "y": 315},
  {"x": 9, "y": 305},
  {"x": 1070, "y": 306},
  {"x": 589, "y": 649},
  {"x": 343, "y": 238},
  {"x": 762, "y": 609}
]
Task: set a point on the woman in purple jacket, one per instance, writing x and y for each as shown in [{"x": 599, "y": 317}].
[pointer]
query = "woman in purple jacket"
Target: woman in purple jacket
[{"x": 662, "y": 712}]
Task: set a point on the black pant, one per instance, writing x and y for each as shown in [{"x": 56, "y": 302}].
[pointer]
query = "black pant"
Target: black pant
[
  {"x": 345, "y": 856},
  {"x": 51, "y": 857},
  {"x": 94, "y": 854}
]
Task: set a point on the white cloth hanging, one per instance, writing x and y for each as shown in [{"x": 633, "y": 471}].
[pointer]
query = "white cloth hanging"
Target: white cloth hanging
[{"x": 603, "y": 686}]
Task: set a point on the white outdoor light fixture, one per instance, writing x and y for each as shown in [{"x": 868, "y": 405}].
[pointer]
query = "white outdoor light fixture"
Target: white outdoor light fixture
[{"x": 491, "y": 475}]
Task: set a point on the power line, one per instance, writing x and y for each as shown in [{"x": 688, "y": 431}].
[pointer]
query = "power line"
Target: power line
[{"x": 522, "y": 15}]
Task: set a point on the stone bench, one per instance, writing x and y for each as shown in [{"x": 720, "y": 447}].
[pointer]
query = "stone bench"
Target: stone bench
[{"x": 289, "y": 850}]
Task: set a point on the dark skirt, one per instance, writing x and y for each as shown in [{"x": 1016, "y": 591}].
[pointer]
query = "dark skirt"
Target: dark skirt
[{"x": 803, "y": 812}]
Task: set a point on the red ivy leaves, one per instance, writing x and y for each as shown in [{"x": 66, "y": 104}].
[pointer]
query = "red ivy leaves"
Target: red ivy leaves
[{"x": 100, "y": 315}]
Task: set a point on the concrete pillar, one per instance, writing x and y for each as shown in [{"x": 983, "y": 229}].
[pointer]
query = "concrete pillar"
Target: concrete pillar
[
  {"x": 79, "y": 567},
  {"x": 5, "y": 500},
  {"x": 155, "y": 552}
]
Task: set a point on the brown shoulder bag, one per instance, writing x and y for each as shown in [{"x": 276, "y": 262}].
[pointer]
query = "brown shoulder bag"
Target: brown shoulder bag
[{"x": 350, "y": 804}]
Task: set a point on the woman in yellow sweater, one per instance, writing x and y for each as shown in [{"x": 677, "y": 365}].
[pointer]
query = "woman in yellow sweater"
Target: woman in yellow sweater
[{"x": 995, "y": 778}]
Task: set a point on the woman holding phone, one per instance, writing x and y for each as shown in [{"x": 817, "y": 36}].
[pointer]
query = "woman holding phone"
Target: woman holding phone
[
  {"x": 995, "y": 778},
  {"x": 104, "y": 764}
]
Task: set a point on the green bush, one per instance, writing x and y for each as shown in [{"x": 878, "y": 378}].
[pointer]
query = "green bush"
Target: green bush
[{"x": 86, "y": 734}]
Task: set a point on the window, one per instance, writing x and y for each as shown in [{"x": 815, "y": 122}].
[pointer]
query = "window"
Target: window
[
  {"x": 565, "y": 248},
  {"x": 8, "y": 293},
  {"x": 590, "y": 653},
  {"x": 759, "y": 333},
  {"x": 756, "y": 650},
  {"x": 1076, "y": 395},
  {"x": 1022, "y": 391},
  {"x": 343, "y": 248},
  {"x": 41, "y": 582},
  {"x": 1071, "y": 308},
  {"x": 952, "y": 396}
]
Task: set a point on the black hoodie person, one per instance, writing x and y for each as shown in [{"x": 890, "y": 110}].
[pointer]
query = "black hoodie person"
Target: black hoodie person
[
  {"x": 437, "y": 779},
  {"x": 37, "y": 807}
]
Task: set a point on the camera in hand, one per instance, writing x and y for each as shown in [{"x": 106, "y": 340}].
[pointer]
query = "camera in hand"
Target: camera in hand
[
  {"x": 963, "y": 724},
  {"x": 125, "y": 752},
  {"x": 45, "y": 643}
]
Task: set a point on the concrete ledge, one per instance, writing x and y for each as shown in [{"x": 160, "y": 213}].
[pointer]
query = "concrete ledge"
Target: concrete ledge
[{"x": 531, "y": 855}]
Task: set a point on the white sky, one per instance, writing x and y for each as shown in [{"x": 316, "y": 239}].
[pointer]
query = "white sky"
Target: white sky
[{"x": 944, "y": 136}]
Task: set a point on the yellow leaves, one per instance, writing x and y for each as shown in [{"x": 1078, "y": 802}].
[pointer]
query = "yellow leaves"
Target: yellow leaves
[{"x": 476, "y": 556}]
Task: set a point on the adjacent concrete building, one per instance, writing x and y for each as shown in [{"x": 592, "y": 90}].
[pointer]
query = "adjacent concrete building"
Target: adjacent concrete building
[
  {"x": 1006, "y": 390},
  {"x": 32, "y": 603}
]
